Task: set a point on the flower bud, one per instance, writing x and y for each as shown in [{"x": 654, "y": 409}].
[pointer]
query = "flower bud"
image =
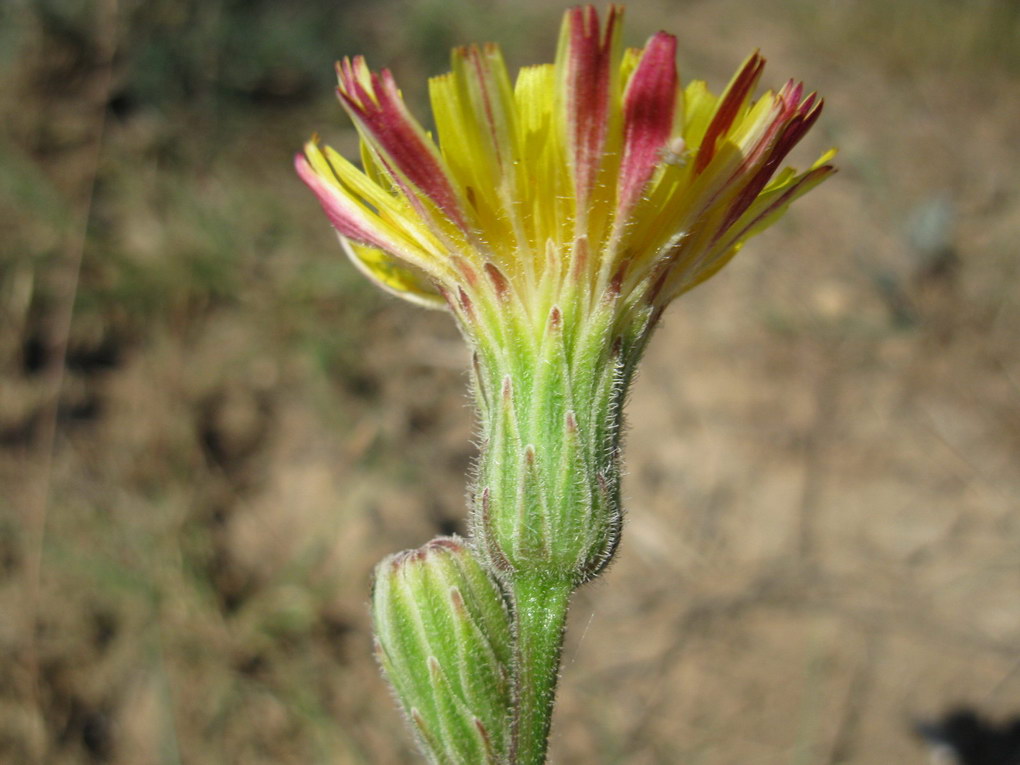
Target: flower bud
[{"x": 443, "y": 640}]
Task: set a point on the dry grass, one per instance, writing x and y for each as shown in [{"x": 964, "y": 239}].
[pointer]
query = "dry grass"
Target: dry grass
[{"x": 823, "y": 531}]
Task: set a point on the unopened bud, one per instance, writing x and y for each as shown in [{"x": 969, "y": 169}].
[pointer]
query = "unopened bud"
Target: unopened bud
[{"x": 443, "y": 639}]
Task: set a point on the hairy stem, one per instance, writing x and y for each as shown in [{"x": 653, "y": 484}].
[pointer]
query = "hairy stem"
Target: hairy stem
[{"x": 540, "y": 612}]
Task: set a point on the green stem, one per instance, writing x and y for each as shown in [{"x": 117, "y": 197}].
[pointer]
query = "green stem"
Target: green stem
[{"x": 540, "y": 614}]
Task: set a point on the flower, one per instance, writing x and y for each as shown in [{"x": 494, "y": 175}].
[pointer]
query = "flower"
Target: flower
[
  {"x": 597, "y": 175},
  {"x": 556, "y": 217}
]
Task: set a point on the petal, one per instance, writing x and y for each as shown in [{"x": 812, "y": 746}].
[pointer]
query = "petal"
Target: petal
[
  {"x": 391, "y": 207},
  {"x": 731, "y": 103},
  {"x": 375, "y": 106},
  {"x": 699, "y": 108},
  {"x": 770, "y": 206},
  {"x": 549, "y": 198},
  {"x": 347, "y": 216},
  {"x": 397, "y": 279},
  {"x": 792, "y": 120},
  {"x": 482, "y": 78},
  {"x": 475, "y": 118},
  {"x": 586, "y": 79},
  {"x": 705, "y": 260},
  {"x": 351, "y": 217},
  {"x": 649, "y": 110}
]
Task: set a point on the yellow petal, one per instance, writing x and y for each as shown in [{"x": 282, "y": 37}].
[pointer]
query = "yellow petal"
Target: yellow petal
[{"x": 392, "y": 275}]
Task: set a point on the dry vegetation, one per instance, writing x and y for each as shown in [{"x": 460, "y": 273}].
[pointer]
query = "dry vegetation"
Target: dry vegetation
[{"x": 823, "y": 541}]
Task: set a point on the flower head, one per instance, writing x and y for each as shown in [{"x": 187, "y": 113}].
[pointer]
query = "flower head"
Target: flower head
[
  {"x": 598, "y": 176},
  {"x": 557, "y": 216}
]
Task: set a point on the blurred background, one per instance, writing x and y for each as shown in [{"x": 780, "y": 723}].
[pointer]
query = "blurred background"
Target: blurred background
[{"x": 211, "y": 428}]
